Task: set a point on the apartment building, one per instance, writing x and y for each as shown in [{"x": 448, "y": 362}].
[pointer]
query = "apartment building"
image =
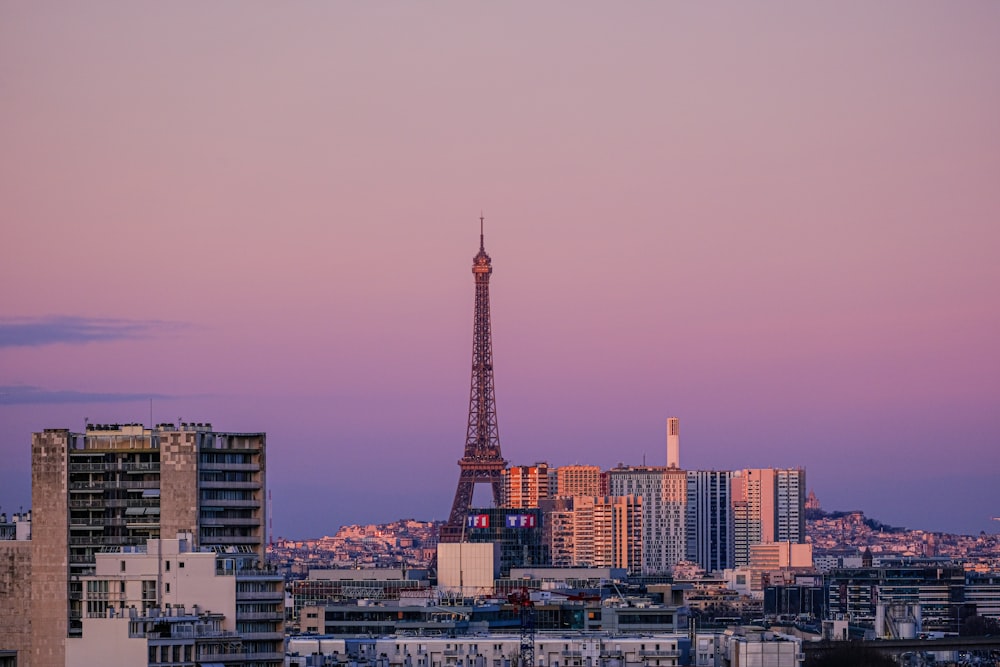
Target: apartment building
[
  {"x": 578, "y": 480},
  {"x": 119, "y": 486},
  {"x": 663, "y": 494},
  {"x": 525, "y": 486}
]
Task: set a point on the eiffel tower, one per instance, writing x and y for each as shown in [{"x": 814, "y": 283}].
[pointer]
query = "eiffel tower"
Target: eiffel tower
[{"x": 482, "y": 462}]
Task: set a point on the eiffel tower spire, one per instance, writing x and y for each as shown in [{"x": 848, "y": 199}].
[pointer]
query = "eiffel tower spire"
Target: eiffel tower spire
[{"x": 482, "y": 462}]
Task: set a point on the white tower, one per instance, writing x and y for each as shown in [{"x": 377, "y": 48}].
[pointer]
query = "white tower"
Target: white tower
[{"x": 673, "y": 442}]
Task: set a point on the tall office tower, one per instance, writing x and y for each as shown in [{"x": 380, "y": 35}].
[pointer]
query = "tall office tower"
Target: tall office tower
[
  {"x": 524, "y": 486},
  {"x": 663, "y": 493},
  {"x": 709, "y": 522},
  {"x": 116, "y": 487},
  {"x": 768, "y": 506},
  {"x": 578, "y": 480},
  {"x": 673, "y": 442},
  {"x": 482, "y": 462}
]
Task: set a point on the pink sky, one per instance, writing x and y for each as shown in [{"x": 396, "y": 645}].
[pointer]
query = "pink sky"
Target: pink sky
[{"x": 779, "y": 222}]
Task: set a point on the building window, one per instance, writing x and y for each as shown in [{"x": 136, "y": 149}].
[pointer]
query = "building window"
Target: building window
[
  {"x": 180, "y": 564},
  {"x": 168, "y": 566},
  {"x": 168, "y": 587},
  {"x": 122, "y": 566}
]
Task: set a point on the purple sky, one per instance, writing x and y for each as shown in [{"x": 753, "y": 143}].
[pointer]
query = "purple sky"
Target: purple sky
[{"x": 779, "y": 222}]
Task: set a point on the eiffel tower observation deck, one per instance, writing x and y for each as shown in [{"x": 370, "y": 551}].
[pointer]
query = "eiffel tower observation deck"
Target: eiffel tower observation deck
[{"x": 482, "y": 462}]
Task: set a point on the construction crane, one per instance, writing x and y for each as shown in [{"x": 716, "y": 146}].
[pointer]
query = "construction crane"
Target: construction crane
[{"x": 521, "y": 600}]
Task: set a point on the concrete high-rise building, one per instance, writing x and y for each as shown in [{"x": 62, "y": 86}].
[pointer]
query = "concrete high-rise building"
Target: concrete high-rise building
[
  {"x": 524, "y": 486},
  {"x": 673, "y": 442},
  {"x": 768, "y": 506},
  {"x": 577, "y": 480},
  {"x": 709, "y": 523},
  {"x": 663, "y": 493},
  {"x": 116, "y": 487}
]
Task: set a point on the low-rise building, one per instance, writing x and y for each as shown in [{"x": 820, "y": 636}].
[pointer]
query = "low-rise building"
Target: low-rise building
[{"x": 165, "y": 602}]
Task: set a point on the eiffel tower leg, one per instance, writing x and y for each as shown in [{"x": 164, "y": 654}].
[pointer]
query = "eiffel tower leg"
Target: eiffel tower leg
[{"x": 463, "y": 501}]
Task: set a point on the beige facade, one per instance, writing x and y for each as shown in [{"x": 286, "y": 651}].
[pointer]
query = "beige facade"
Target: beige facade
[
  {"x": 468, "y": 569},
  {"x": 774, "y": 557},
  {"x": 218, "y": 608}
]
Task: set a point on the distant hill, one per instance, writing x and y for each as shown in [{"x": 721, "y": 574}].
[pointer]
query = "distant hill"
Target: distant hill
[{"x": 874, "y": 524}]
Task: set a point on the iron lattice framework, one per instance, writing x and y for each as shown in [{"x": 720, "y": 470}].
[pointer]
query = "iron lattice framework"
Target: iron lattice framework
[{"x": 482, "y": 462}]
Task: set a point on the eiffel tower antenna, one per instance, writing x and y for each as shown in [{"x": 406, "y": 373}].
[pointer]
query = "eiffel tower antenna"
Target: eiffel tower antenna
[{"x": 482, "y": 462}]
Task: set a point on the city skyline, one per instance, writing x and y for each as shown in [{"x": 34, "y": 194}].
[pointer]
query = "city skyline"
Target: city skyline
[{"x": 778, "y": 224}]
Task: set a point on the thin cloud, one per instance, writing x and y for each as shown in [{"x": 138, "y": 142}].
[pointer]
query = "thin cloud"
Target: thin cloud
[
  {"x": 72, "y": 330},
  {"x": 26, "y": 395}
]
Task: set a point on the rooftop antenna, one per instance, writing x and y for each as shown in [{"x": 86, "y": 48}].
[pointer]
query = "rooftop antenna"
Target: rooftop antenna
[{"x": 482, "y": 245}]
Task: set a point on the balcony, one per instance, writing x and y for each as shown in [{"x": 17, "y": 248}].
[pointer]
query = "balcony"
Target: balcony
[
  {"x": 116, "y": 466},
  {"x": 261, "y": 616},
  {"x": 114, "y": 484},
  {"x": 665, "y": 653},
  {"x": 100, "y": 540},
  {"x": 211, "y": 484},
  {"x": 248, "y": 502},
  {"x": 275, "y": 636},
  {"x": 224, "y": 521},
  {"x": 278, "y": 657},
  {"x": 268, "y": 596},
  {"x": 228, "y": 540},
  {"x": 238, "y": 467}
]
